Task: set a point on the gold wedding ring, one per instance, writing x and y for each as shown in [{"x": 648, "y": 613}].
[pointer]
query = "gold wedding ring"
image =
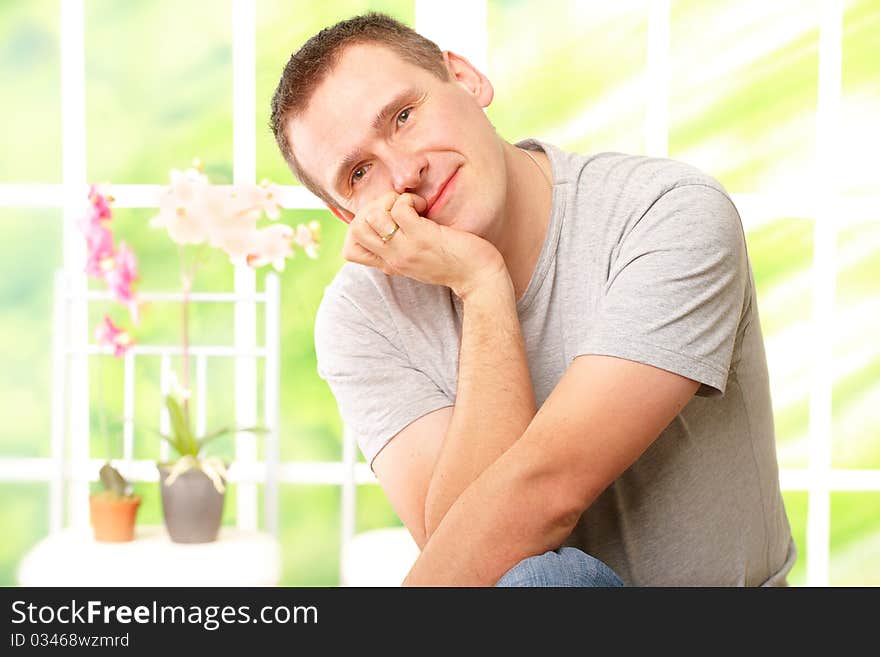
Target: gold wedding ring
[{"x": 387, "y": 237}]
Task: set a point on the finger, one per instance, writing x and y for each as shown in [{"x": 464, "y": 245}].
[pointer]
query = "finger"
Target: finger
[
  {"x": 378, "y": 216},
  {"x": 407, "y": 211},
  {"x": 381, "y": 226},
  {"x": 387, "y": 200},
  {"x": 416, "y": 202},
  {"x": 368, "y": 229},
  {"x": 356, "y": 252}
]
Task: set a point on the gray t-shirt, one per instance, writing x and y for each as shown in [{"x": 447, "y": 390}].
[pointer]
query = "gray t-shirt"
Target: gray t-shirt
[{"x": 644, "y": 259}]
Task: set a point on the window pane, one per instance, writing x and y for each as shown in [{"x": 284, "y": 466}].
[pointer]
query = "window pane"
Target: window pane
[
  {"x": 572, "y": 76},
  {"x": 23, "y": 523},
  {"x": 855, "y": 539},
  {"x": 159, "y": 89},
  {"x": 374, "y": 511},
  {"x": 311, "y": 428},
  {"x": 30, "y": 256},
  {"x": 310, "y": 535},
  {"x": 781, "y": 252},
  {"x": 796, "y": 510},
  {"x": 282, "y": 27},
  {"x": 743, "y": 90},
  {"x": 30, "y": 116},
  {"x": 856, "y": 393},
  {"x": 860, "y": 107}
]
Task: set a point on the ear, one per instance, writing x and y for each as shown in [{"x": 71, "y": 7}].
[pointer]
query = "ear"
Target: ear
[
  {"x": 467, "y": 75},
  {"x": 343, "y": 215}
]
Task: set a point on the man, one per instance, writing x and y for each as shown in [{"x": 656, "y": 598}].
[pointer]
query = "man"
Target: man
[{"x": 552, "y": 362}]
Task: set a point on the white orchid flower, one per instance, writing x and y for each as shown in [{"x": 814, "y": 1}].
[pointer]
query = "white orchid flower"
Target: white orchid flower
[
  {"x": 272, "y": 244},
  {"x": 185, "y": 210}
]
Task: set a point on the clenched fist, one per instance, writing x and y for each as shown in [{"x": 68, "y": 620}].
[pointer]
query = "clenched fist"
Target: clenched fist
[{"x": 419, "y": 249}]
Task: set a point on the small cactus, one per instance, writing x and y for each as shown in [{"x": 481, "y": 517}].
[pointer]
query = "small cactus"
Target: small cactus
[{"x": 114, "y": 482}]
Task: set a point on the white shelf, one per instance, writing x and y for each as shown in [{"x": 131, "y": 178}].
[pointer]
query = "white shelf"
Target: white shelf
[{"x": 72, "y": 557}]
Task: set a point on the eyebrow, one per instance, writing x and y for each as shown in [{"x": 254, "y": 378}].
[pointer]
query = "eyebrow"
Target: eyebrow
[{"x": 381, "y": 119}]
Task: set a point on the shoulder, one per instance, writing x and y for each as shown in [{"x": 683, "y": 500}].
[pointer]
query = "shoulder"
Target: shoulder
[
  {"x": 353, "y": 302},
  {"x": 605, "y": 175},
  {"x": 644, "y": 179},
  {"x": 625, "y": 191},
  {"x": 361, "y": 303}
]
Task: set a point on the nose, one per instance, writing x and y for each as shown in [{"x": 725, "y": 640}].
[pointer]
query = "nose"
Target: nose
[{"x": 407, "y": 171}]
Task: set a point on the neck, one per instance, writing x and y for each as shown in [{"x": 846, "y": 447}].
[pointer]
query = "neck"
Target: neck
[{"x": 523, "y": 225}]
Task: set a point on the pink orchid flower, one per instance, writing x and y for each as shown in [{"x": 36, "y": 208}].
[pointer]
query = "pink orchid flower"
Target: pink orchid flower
[
  {"x": 100, "y": 204},
  {"x": 101, "y": 253},
  {"x": 121, "y": 278},
  {"x": 108, "y": 333}
]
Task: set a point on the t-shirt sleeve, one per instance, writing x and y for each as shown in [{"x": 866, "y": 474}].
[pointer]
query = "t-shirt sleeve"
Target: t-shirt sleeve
[
  {"x": 676, "y": 288},
  {"x": 377, "y": 389}
]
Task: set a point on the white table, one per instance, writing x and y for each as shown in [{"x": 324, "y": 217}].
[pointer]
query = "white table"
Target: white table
[
  {"x": 73, "y": 558},
  {"x": 379, "y": 557}
]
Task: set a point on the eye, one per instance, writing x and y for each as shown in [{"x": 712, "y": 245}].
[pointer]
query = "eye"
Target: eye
[
  {"x": 405, "y": 114},
  {"x": 355, "y": 178}
]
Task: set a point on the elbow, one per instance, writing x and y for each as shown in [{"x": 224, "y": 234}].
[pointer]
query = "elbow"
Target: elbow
[
  {"x": 433, "y": 516},
  {"x": 562, "y": 516},
  {"x": 551, "y": 497},
  {"x": 438, "y": 500}
]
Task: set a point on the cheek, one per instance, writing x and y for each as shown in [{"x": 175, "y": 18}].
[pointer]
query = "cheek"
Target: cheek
[{"x": 375, "y": 186}]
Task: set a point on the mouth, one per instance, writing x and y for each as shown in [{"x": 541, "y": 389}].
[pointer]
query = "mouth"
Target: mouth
[{"x": 442, "y": 196}]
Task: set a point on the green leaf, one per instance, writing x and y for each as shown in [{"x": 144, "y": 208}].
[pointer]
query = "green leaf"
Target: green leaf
[
  {"x": 210, "y": 436},
  {"x": 170, "y": 439},
  {"x": 176, "y": 444},
  {"x": 220, "y": 432},
  {"x": 187, "y": 444},
  {"x": 256, "y": 429}
]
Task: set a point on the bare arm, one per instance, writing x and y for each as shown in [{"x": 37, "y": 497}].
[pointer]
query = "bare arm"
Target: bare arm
[
  {"x": 600, "y": 417},
  {"x": 495, "y": 400}
]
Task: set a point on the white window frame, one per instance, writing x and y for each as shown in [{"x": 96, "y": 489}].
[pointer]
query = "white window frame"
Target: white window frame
[{"x": 458, "y": 25}]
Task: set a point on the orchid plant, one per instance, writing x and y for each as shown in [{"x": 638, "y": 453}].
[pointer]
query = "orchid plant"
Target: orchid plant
[
  {"x": 117, "y": 267},
  {"x": 196, "y": 214}
]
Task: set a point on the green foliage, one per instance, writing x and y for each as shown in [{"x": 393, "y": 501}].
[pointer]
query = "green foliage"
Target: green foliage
[{"x": 182, "y": 438}]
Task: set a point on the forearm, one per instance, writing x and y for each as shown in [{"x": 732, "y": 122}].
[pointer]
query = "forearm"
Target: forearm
[
  {"x": 517, "y": 508},
  {"x": 494, "y": 400}
]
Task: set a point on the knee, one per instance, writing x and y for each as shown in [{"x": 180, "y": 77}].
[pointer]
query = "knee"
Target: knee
[{"x": 566, "y": 566}]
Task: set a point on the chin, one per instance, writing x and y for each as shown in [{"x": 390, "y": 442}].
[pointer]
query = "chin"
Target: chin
[{"x": 477, "y": 228}]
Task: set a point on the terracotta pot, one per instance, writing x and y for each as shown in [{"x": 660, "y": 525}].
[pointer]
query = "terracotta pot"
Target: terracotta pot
[
  {"x": 113, "y": 517},
  {"x": 191, "y": 506}
]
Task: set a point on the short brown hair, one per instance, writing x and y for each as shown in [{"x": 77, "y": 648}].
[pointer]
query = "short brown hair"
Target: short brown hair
[{"x": 309, "y": 65}]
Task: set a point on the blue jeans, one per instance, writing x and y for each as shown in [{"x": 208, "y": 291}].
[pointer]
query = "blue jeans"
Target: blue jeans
[{"x": 566, "y": 566}]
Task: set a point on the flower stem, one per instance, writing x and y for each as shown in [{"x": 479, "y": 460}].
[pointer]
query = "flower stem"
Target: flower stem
[
  {"x": 186, "y": 284},
  {"x": 188, "y": 277},
  {"x": 101, "y": 417}
]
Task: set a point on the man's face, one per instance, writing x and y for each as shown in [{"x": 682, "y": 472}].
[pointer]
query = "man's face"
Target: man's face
[{"x": 430, "y": 131}]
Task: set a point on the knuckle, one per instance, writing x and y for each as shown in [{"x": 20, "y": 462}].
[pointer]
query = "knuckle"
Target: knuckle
[
  {"x": 403, "y": 261},
  {"x": 384, "y": 201}
]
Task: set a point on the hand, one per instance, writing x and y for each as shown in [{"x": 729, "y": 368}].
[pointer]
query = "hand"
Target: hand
[{"x": 420, "y": 249}]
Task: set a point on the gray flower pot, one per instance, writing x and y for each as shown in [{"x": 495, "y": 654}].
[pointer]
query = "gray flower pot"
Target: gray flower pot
[{"x": 191, "y": 506}]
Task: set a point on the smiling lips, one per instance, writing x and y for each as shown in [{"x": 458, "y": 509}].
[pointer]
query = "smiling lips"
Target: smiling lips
[{"x": 441, "y": 198}]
